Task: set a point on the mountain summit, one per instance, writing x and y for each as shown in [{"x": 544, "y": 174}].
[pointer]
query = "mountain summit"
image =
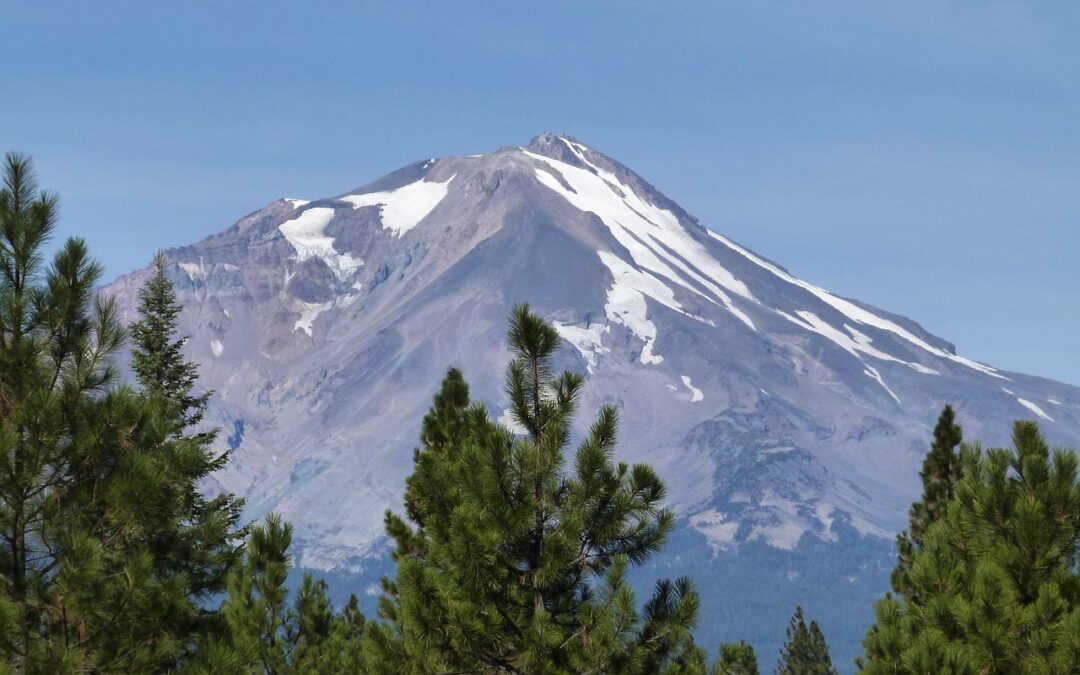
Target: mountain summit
[{"x": 775, "y": 410}]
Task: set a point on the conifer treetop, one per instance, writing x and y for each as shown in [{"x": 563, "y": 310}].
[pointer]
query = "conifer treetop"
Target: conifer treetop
[
  {"x": 805, "y": 651},
  {"x": 157, "y": 352},
  {"x": 940, "y": 473},
  {"x": 514, "y": 559}
]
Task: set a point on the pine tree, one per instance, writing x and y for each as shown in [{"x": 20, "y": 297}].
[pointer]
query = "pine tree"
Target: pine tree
[
  {"x": 193, "y": 538},
  {"x": 157, "y": 353},
  {"x": 940, "y": 473},
  {"x": 736, "y": 658},
  {"x": 108, "y": 553},
  {"x": 995, "y": 577},
  {"x": 77, "y": 586},
  {"x": 511, "y": 561},
  {"x": 265, "y": 634},
  {"x": 805, "y": 652}
]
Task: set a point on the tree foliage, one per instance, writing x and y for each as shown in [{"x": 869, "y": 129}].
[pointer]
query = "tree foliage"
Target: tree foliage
[
  {"x": 513, "y": 561},
  {"x": 940, "y": 473},
  {"x": 107, "y": 552},
  {"x": 805, "y": 651},
  {"x": 157, "y": 352},
  {"x": 995, "y": 578},
  {"x": 74, "y": 583},
  {"x": 192, "y": 536},
  {"x": 267, "y": 634},
  {"x": 736, "y": 658}
]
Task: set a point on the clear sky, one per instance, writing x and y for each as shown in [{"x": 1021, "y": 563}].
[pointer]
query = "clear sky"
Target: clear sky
[{"x": 922, "y": 158}]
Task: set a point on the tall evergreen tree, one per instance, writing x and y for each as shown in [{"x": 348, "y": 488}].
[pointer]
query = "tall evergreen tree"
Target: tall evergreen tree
[
  {"x": 77, "y": 589},
  {"x": 513, "y": 562},
  {"x": 940, "y": 473},
  {"x": 108, "y": 554},
  {"x": 193, "y": 539},
  {"x": 805, "y": 651},
  {"x": 157, "y": 355},
  {"x": 995, "y": 579}
]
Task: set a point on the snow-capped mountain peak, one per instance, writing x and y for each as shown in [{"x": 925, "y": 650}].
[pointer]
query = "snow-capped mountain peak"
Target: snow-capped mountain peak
[{"x": 775, "y": 409}]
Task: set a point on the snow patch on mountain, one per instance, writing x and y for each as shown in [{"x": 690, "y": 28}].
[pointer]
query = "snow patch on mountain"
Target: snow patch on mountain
[
  {"x": 1034, "y": 408},
  {"x": 873, "y": 374},
  {"x": 695, "y": 393},
  {"x": 195, "y": 271},
  {"x": 920, "y": 368},
  {"x": 855, "y": 344},
  {"x": 309, "y": 311},
  {"x": 790, "y": 519},
  {"x": 402, "y": 209},
  {"x": 351, "y": 295},
  {"x": 306, "y": 234},
  {"x": 824, "y": 513},
  {"x": 297, "y": 203},
  {"x": 718, "y": 530},
  {"x": 626, "y": 302},
  {"x": 588, "y": 340},
  {"x": 217, "y": 347}
]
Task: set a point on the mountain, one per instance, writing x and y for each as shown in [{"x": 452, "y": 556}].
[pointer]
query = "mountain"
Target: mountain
[{"x": 784, "y": 418}]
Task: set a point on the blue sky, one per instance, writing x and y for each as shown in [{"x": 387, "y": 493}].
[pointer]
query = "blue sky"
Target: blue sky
[{"x": 921, "y": 157}]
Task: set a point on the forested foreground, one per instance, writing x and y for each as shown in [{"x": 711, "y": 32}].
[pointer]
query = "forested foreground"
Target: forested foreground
[{"x": 511, "y": 550}]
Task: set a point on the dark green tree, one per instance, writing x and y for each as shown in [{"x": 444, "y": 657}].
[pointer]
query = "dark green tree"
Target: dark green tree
[
  {"x": 995, "y": 578},
  {"x": 267, "y": 634},
  {"x": 109, "y": 555},
  {"x": 157, "y": 355},
  {"x": 940, "y": 473},
  {"x": 511, "y": 560},
  {"x": 78, "y": 590},
  {"x": 805, "y": 651},
  {"x": 736, "y": 658},
  {"x": 192, "y": 537}
]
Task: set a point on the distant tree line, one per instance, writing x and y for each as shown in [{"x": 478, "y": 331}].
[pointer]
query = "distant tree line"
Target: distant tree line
[{"x": 512, "y": 550}]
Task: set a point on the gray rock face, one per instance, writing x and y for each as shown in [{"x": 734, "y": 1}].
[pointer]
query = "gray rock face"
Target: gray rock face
[{"x": 773, "y": 408}]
